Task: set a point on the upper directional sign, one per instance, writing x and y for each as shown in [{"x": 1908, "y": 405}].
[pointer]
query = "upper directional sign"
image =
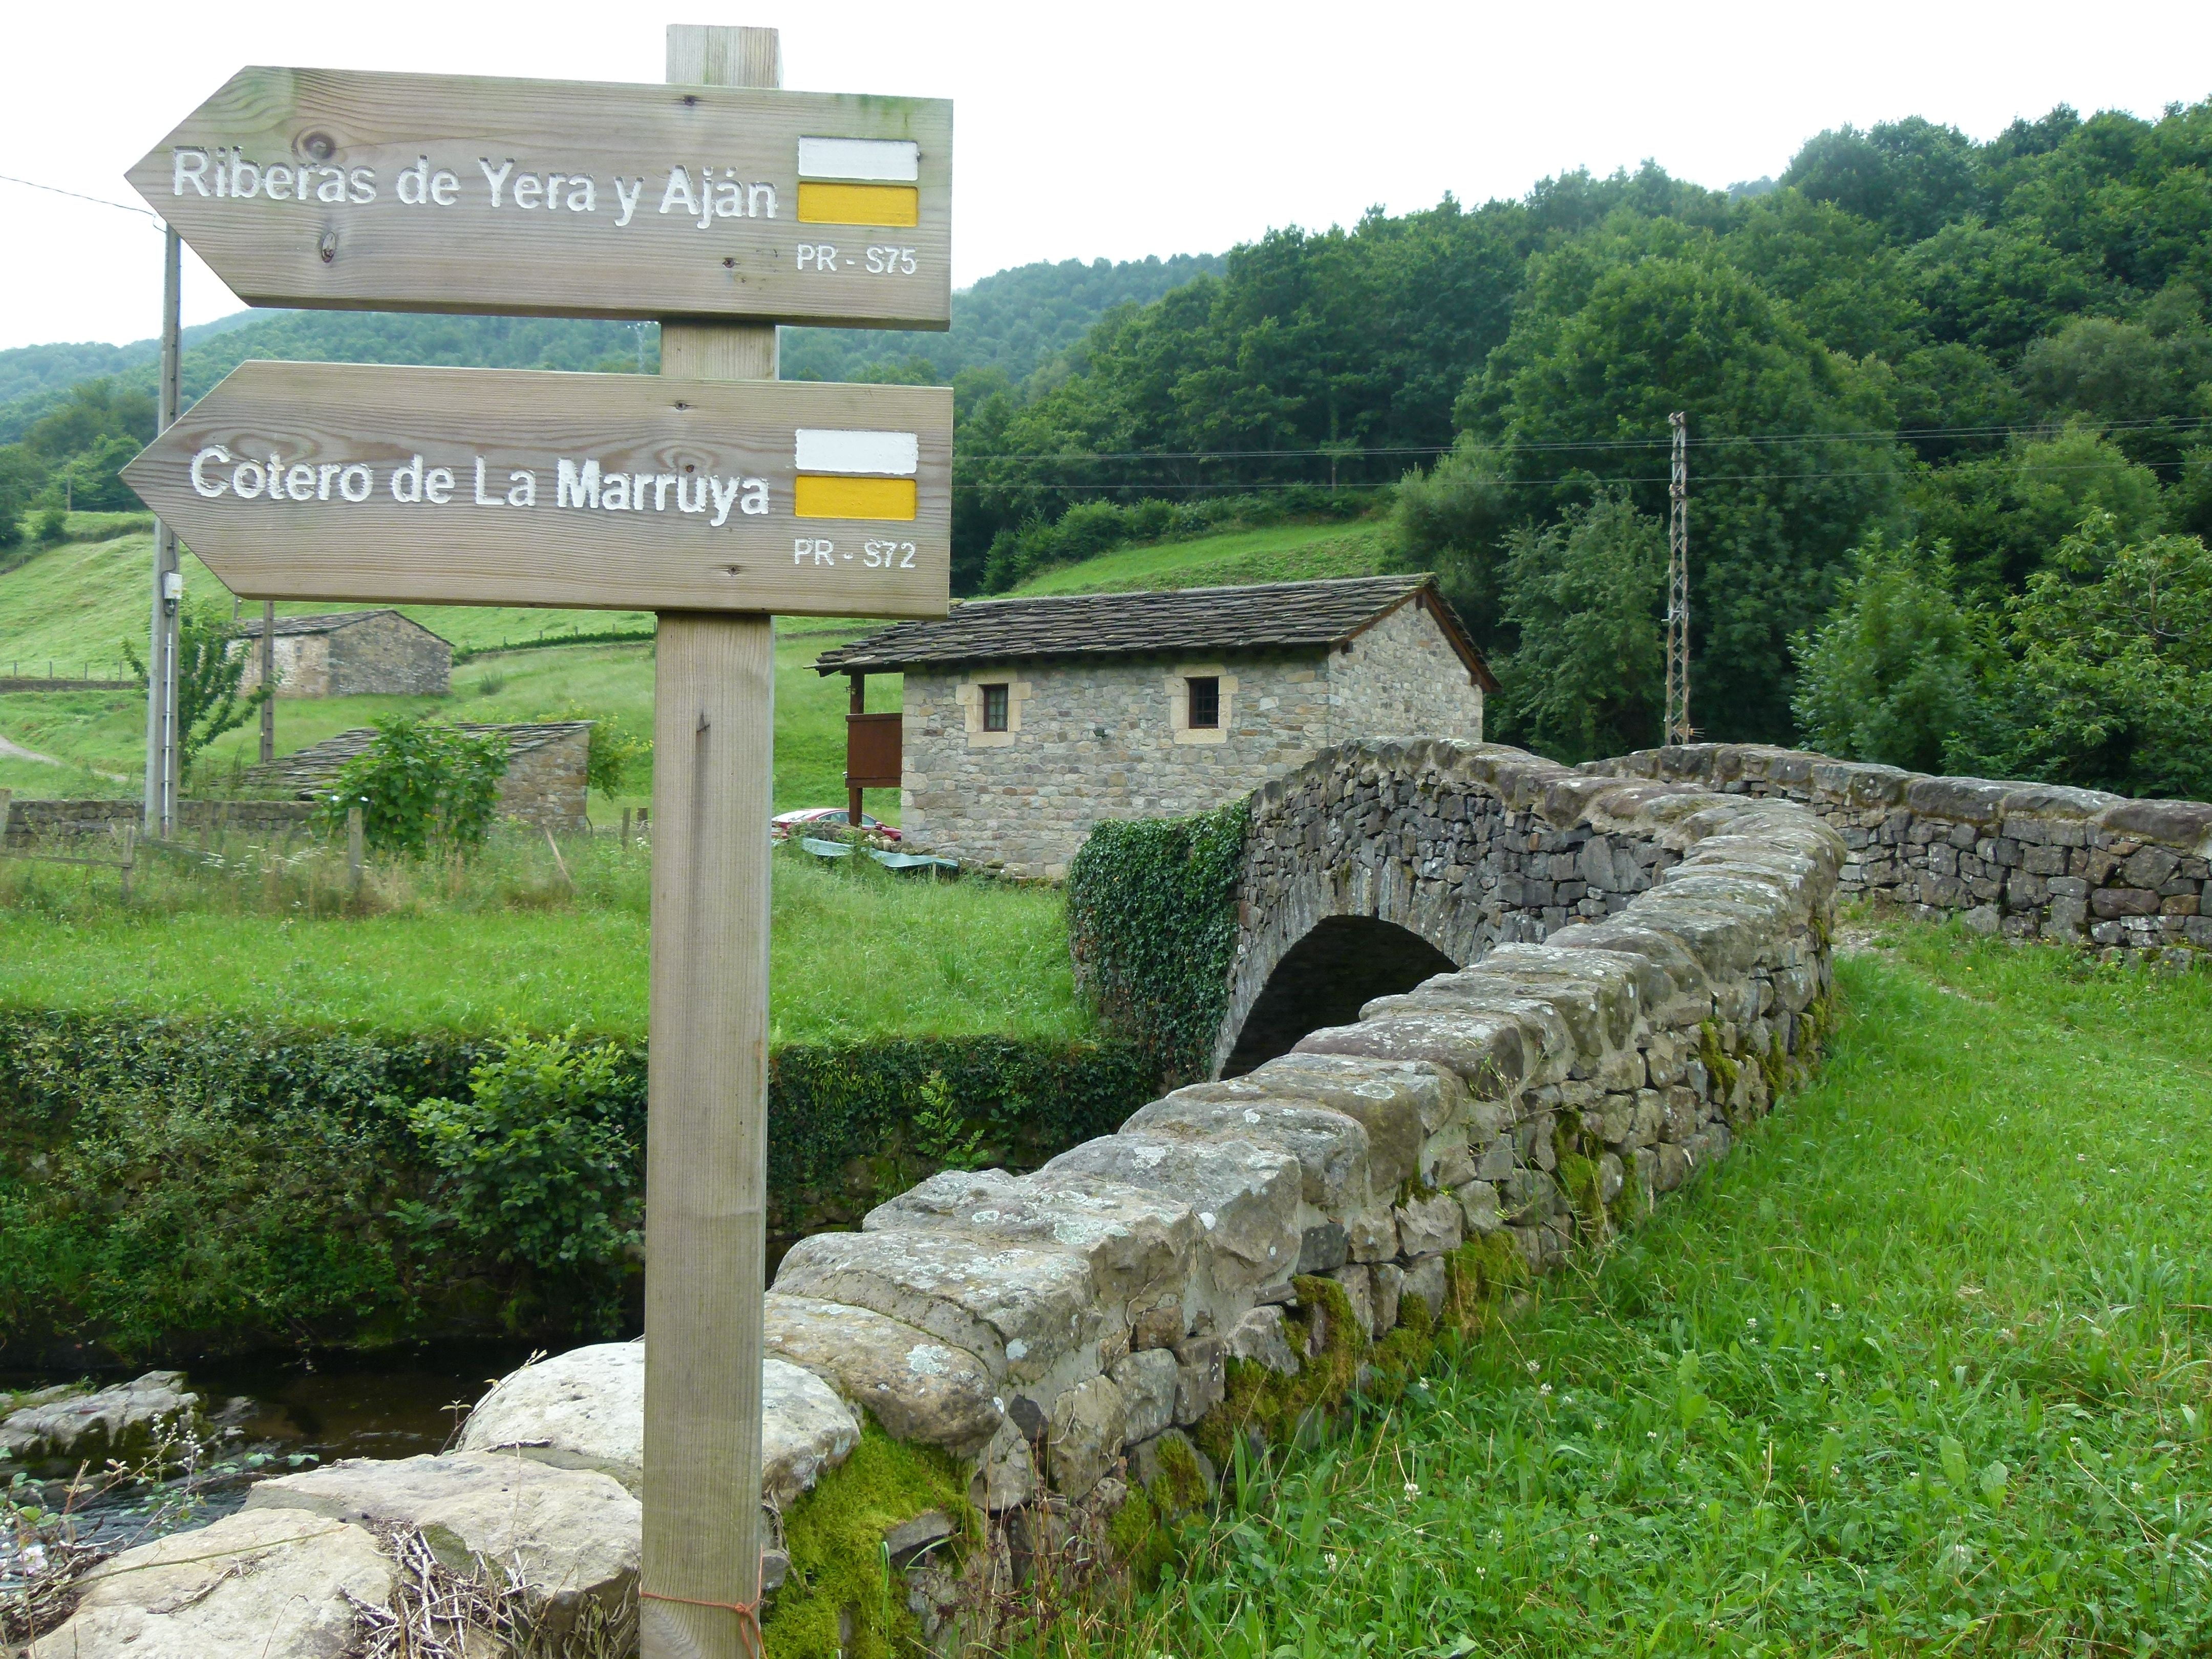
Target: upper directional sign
[
  {"x": 424, "y": 192},
  {"x": 484, "y": 486}
]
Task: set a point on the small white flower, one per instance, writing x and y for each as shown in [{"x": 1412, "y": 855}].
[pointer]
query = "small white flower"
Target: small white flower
[
  {"x": 1823, "y": 1376},
  {"x": 1412, "y": 1489},
  {"x": 1545, "y": 1390},
  {"x": 1590, "y": 1537}
]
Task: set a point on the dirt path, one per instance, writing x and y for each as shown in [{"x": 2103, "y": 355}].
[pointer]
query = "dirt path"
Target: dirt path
[{"x": 17, "y": 752}]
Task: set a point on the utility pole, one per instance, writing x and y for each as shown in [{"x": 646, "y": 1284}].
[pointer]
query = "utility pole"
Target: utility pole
[
  {"x": 268, "y": 681},
  {"x": 1678, "y": 728},
  {"x": 161, "y": 804}
]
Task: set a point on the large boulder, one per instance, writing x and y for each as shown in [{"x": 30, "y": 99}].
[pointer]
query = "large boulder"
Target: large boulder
[
  {"x": 569, "y": 1535},
  {"x": 584, "y": 1409},
  {"x": 272, "y": 1583},
  {"x": 127, "y": 1421}
]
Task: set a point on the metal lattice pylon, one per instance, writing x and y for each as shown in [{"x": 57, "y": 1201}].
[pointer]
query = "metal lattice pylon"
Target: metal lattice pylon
[{"x": 1678, "y": 726}]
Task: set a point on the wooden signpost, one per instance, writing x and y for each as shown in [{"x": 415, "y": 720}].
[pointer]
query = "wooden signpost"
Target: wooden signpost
[
  {"x": 560, "y": 198},
  {"x": 480, "y": 486},
  {"x": 713, "y": 495}
]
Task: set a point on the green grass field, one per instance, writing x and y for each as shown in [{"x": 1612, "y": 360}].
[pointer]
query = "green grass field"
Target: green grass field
[
  {"x": 1279, "y": 553},
  {"x": 855, "y": 951},
  {"x": 1921, "y": 1368}
]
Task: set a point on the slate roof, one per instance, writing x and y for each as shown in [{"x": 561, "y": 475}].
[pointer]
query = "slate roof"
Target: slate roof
[
  {"x": 303, "y": 772},
  {"x": 1316, "y": 615},
  {"x": 328, "y": 623}
]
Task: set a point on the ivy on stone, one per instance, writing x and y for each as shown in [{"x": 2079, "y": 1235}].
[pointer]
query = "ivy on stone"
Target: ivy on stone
[{"x": 1152, "y": 923}]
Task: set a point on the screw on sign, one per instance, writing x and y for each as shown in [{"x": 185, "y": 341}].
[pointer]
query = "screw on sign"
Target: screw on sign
[{"x": 713, "y": 495}]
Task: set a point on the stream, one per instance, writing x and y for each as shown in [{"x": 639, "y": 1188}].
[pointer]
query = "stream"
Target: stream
[{"x": 273, "y": 1414}]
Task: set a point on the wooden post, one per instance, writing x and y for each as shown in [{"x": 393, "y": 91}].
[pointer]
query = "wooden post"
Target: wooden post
[
  {"x": 625, "y": 826},
  {"x": 706, "y": 1084},
  {"x": 130, "y": 859},
  {"x": 269, "y": 680},
  {"x": 353, "y": 839},
  {"x": 6, "y": 808},
  {"x": 858, "y": 705}
]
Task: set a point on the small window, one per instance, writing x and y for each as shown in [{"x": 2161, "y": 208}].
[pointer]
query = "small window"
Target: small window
[
  {"x": 994, "y": 708},
  {"x": 1205, "y": 704}
]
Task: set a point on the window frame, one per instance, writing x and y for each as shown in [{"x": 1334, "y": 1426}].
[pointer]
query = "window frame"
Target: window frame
[
  {"x": 996, "y": 697},
  {"x": 1213, "y": 684}
]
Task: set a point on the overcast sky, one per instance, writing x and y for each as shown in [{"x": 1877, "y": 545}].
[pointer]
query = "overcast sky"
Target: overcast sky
[{"x": 1117, "y": 129}]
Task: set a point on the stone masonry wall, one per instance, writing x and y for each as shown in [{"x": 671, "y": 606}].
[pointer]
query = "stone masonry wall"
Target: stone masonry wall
[
  {"x": 303, "y": 664},
  {"x": 2030, "y": 861},
  {"x": 1093, "y": 741},
  {"x": 1402, "y": 677},
  {"x": 545, "y": 786},
  {"x": 1110, "y": 739},
  {"x": 388, "y": 655},
  {"x": 30, "y": 821}
]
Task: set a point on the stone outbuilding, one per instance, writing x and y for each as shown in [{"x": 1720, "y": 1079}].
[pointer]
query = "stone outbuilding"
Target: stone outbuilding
[
  {"x": 1028, "y": 720},
  {"x": 349, "y": 654},
  {"x": 545, "y": 783}
]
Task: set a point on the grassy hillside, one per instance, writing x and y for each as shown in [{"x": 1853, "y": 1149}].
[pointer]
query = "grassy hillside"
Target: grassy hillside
[
  {"x": 1279, "y": 553},
  {"x": 75, "y": 603}
]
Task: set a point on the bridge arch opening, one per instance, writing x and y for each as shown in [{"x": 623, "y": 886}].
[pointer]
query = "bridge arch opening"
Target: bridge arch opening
[{"x": 1325, "y": 978}]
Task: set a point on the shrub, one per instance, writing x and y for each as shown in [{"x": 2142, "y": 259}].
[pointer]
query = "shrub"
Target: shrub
[
  {"x": 542, "y": 1163},
  {"x": 419, "y": 784}
]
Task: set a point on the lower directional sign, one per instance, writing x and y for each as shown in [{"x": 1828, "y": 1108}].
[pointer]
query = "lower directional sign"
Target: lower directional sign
[{"x": 467, "y": 486}]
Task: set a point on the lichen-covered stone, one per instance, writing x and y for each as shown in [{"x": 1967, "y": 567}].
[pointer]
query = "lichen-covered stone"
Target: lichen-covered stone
[
  {"x": 1260, "y": 1339},
  {"x": 270, "y": 1584},
  {"x": 124, "y": 1421},
  {"x": 1148, "y": 1382}
]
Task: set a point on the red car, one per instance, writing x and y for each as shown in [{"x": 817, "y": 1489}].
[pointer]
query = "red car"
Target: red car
[{"x": 832, "y": 817}]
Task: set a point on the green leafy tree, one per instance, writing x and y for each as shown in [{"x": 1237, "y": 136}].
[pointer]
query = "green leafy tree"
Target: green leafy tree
[
  {"x": 1452, "y": 520},
  {"x": 1588, "y": 596},
  {"x": 1900, "y": 668},
  {"x": 1616, "y": 332},
  {"x": 420, "y": 785},
  {"x": 20, "y": 476},
  {"x": 93, "y": 481},
  {"x": 541, "y": 1164},
  {"x": 208, "y": 673},
  {"x": 2112, "y": 686}
]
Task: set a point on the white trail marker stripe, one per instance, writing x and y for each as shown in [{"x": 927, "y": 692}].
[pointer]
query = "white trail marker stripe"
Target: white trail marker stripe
[
  {"x": 892, "y": 454},
  {"x": 874, "y": 160}
]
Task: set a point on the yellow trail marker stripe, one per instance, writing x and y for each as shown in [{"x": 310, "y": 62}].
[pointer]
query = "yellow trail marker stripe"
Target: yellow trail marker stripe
[
  {"x": 853, "y": 498},
  {"x": 858, "y": 204}
]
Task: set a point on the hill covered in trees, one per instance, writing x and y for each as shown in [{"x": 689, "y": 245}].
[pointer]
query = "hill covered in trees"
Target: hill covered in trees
[{"x": 1914, "y": 373}]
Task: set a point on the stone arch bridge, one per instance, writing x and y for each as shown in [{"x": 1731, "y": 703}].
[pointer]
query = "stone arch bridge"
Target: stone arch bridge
[{"x": 1379, "y": 864}]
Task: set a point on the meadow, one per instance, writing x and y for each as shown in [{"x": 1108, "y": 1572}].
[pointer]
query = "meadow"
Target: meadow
[
  {"x": 1276, "y": 553},
  {"x": 510, "y": 939},
  {"x": 1922, "y": 1368}
]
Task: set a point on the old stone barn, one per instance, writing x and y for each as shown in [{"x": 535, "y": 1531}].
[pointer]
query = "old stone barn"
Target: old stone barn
[
  {"x": 544, "y": 784},
  {"x": 1026, "y": 721},
  {"x": 349, "y": 654}
]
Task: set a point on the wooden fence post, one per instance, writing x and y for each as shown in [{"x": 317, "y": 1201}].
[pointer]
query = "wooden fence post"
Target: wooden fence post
[
  {"x": 355, "y": 837},
  {"x": 130, "y": 861},
  {"x": 706, "y": 1083}
]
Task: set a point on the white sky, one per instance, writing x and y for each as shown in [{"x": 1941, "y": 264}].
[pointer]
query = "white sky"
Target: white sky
[{"x": 1113, "y": 130}]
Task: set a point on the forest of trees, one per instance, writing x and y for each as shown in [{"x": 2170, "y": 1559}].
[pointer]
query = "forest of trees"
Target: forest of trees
[
  {"x": 1947, "y": 401},
  {"x": 1948, "y": 405}
]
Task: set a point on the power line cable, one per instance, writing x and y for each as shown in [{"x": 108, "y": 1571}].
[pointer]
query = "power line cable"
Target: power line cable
[{"x": 78, "y": 194}]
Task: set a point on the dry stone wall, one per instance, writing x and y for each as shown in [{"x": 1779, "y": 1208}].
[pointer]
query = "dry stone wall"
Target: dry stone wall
[
  {"x": 2030, "y": 861},
  {"x": 1063, "y": 1333}
]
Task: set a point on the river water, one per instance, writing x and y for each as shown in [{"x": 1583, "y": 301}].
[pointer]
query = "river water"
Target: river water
[{"x": 274, "y": 1415}]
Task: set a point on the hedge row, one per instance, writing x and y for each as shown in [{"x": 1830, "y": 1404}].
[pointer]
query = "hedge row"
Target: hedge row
[{"x": 176, "y": 1185}]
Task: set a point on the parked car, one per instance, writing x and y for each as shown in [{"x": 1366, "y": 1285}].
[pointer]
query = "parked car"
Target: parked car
[{"x": 826, "y": 818}]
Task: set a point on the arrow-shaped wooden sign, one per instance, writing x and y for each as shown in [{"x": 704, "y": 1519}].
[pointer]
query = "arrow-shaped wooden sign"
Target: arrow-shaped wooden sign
[
  {"x": 426, "y": 193},
  {"x": 476, "y": 486}
]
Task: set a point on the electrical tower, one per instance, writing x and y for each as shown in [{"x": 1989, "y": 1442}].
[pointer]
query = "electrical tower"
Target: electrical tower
[{"x": 1678, "y": 727}]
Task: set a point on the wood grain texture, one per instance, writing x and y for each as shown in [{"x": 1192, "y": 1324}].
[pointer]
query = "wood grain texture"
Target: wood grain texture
[
  {"x": 688, "y": 429},
  {"x": 467, "y": 255},
  {"x": 705, "y": 1129},
  {"x": 707, "y": 1073}
]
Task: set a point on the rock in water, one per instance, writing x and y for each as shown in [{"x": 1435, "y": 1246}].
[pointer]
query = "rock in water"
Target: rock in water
[
  {"x": 124, "y": 1421},
  {"x": 585, "y": 1409},
  {"x": 272, "y": 1583},
  {"x": 569, "y": 1534}
]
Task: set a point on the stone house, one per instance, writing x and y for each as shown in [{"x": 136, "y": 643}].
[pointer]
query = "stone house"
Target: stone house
[
  {"x": 1028, "y": 720},
  {"x": 544, "y": 786},
  {"x": 349, "y": 654}
]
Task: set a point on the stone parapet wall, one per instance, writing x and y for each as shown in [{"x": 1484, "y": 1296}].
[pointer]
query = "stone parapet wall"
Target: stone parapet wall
[
  {"x": 2030, "y": 861},
  {"x": 29, "y": 821},
  {"x": 1064, "y": 1334}
]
